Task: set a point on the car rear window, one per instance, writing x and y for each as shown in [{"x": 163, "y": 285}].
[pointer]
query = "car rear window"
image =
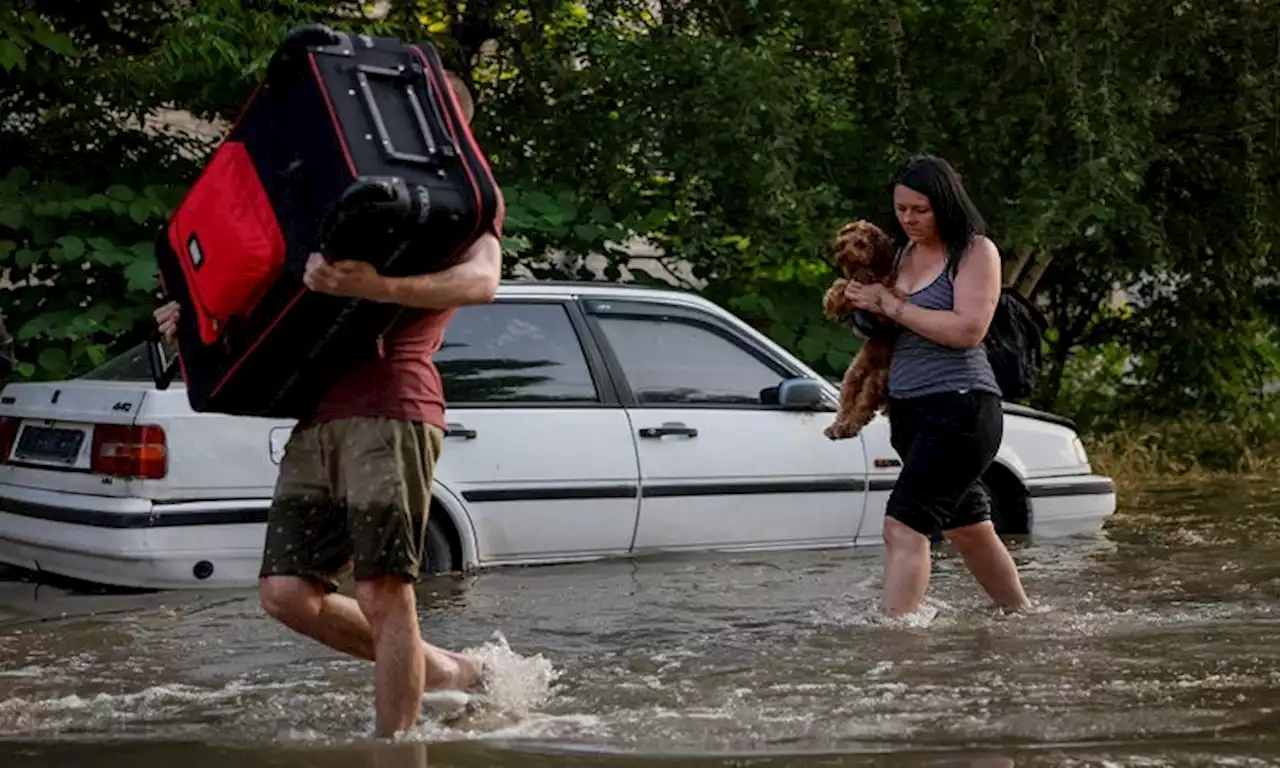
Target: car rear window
[{"x": 132, "y": 365}]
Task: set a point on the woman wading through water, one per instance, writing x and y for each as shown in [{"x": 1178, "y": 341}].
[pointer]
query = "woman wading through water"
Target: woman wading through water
[{"x": 945, "y": 415}]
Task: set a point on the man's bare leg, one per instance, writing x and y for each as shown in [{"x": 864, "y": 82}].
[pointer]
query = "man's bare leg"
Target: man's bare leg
[
  {"x": 399, "y": 668},
  {"x": 337, "y": 621}
]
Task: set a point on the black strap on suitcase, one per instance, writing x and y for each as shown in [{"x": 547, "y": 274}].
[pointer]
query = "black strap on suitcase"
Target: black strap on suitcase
[{"x": 355, "y": 147}]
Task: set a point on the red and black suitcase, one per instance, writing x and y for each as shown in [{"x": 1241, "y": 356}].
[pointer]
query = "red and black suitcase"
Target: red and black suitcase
[{"x": 353, "y": 146}]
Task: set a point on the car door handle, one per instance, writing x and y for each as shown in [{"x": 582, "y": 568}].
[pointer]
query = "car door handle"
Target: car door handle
[
  {"x": 669, "y": 428},
  {"x": 457, "y": 430}
]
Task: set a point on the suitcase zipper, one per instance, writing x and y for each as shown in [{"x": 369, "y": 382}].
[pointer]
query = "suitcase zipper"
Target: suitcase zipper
[
  {"x": 433, "y": 104},
  {"x": 427, "y": 134}
]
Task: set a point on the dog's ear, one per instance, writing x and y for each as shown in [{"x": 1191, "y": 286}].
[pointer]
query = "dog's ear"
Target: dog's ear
[
  {"x": 837, "y": 247},
  {"x": 842, "y": 235},
  {"x": 883, "y": 244},
  {"x": 840, "y": 248}
]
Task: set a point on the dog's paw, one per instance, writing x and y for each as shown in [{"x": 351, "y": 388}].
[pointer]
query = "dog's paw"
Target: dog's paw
[
  {"x": 833, "y": 303},
  {"x": 840, "y": 431}
]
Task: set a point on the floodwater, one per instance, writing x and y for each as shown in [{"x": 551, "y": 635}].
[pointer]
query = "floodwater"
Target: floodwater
[{"x": 1152, "y": 644}]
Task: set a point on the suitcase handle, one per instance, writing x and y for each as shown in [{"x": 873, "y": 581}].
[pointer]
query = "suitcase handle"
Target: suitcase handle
[
  {"x": 436, "y": 146},
  {"x": 299, "y": 40}
]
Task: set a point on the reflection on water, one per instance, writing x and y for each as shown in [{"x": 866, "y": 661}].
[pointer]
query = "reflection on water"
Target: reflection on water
[
  {"x": 476, "y": 755},
  {"x": 1154, "y": 643}
]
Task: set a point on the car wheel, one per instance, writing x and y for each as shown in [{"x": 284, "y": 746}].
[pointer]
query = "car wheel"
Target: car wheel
[
  {"x": 1009, "y": 510},
  {"x": 997, "y": 507},
  {"x": 439, "y": 555}
]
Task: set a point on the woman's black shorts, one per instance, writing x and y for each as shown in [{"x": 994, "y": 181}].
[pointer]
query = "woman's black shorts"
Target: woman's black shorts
[{"x": 946, "y": 442}]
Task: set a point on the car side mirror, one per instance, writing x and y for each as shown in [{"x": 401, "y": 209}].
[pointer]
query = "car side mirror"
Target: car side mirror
[{"x": 800, "y": 394}]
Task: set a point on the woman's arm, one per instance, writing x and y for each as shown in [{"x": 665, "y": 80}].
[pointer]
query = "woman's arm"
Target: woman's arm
[{"x": 977, "y": 289}]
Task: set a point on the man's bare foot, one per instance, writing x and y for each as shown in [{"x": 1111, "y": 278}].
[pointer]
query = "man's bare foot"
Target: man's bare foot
[
  {"x": 450, "y": 671},
  {"x": 435, "y": 651},
  {"x": 470, "y": 673}
]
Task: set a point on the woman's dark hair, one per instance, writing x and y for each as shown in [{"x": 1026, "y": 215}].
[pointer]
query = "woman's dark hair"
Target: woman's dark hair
[{"x": 954, "y": 213}]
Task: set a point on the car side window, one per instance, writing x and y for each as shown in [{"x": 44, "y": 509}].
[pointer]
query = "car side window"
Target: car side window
[
  {"x": 668, "y": 360},
  {"x": 509, "y": 352}
]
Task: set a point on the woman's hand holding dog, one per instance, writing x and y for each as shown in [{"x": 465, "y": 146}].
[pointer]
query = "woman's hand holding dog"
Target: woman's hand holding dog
[{"x": 874, "y": 298}]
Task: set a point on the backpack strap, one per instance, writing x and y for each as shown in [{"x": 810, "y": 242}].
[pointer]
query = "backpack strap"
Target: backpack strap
[{"x": 897, "y": 257}]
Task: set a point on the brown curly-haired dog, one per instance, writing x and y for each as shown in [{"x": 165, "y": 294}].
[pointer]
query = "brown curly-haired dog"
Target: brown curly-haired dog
[{"x": 863, "y": 253}]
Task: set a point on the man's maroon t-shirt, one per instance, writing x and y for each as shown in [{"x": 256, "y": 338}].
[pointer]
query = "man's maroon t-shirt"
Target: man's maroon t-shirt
[{"x": 402, "y": 382}]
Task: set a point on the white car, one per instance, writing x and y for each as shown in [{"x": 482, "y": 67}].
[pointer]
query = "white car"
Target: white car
[{"x": 586, "y": 421}]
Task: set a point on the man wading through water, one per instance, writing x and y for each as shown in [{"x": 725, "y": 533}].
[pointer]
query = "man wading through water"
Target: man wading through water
[{"x": 354, "y": 486}]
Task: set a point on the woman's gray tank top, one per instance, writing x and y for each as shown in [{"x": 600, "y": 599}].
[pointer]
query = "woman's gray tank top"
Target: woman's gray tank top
[{"x": 922, "y": 367}]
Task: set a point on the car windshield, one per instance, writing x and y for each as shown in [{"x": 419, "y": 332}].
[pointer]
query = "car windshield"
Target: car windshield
[{"x": 132, "y": 365}]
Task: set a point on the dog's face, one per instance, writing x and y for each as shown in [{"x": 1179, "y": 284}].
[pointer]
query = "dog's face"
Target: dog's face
[{"x": 862, "y": 248}]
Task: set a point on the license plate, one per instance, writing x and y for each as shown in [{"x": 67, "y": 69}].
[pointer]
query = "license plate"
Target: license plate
[{"x": 49, "y": 444}]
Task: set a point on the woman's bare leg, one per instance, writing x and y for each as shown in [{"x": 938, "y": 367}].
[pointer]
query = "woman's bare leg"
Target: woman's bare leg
[
  {"x": 991, "y": 564},
  {"x": 906, "y": 568}
]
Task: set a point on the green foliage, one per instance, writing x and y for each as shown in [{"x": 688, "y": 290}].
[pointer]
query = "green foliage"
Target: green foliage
[
  {"x": 1097, "y": 385},
  {"x": 77, "y": 216},
  {"x": 1131, "y": 433},
  {"x": 1194, "y": 442},
  {"x": 1113, "y": 147},
  {"x": 85, "y": 263}
]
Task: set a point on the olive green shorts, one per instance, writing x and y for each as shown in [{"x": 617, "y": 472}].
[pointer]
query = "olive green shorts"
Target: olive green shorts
[{"x": 352, "y": 498}]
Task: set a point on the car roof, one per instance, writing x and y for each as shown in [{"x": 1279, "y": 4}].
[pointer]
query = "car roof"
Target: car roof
[{"x": 527, "y": 287}]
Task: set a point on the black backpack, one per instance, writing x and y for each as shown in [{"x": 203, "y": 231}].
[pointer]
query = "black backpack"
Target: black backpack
[{"x": 1013, "y": 343}]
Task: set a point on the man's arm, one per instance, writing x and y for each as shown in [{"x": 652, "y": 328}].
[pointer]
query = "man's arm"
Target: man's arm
[{"x": 473, "y": 280}]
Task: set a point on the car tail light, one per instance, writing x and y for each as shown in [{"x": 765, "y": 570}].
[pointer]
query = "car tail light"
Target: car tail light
[
  {"x": 8, "y": 434},
  {"x": 127, "y": 450}
]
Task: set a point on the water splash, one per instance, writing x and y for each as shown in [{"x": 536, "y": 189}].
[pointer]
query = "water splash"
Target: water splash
[
  {"x": 515, "y": 685},
  {"x": 867, "y": 613},
  {"x": 515, "y": 688}
]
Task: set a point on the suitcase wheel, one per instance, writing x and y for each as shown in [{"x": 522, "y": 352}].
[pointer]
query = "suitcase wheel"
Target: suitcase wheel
[
  {"x": 376, "y": 193},
  {"x": 377, "y": 196}
]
